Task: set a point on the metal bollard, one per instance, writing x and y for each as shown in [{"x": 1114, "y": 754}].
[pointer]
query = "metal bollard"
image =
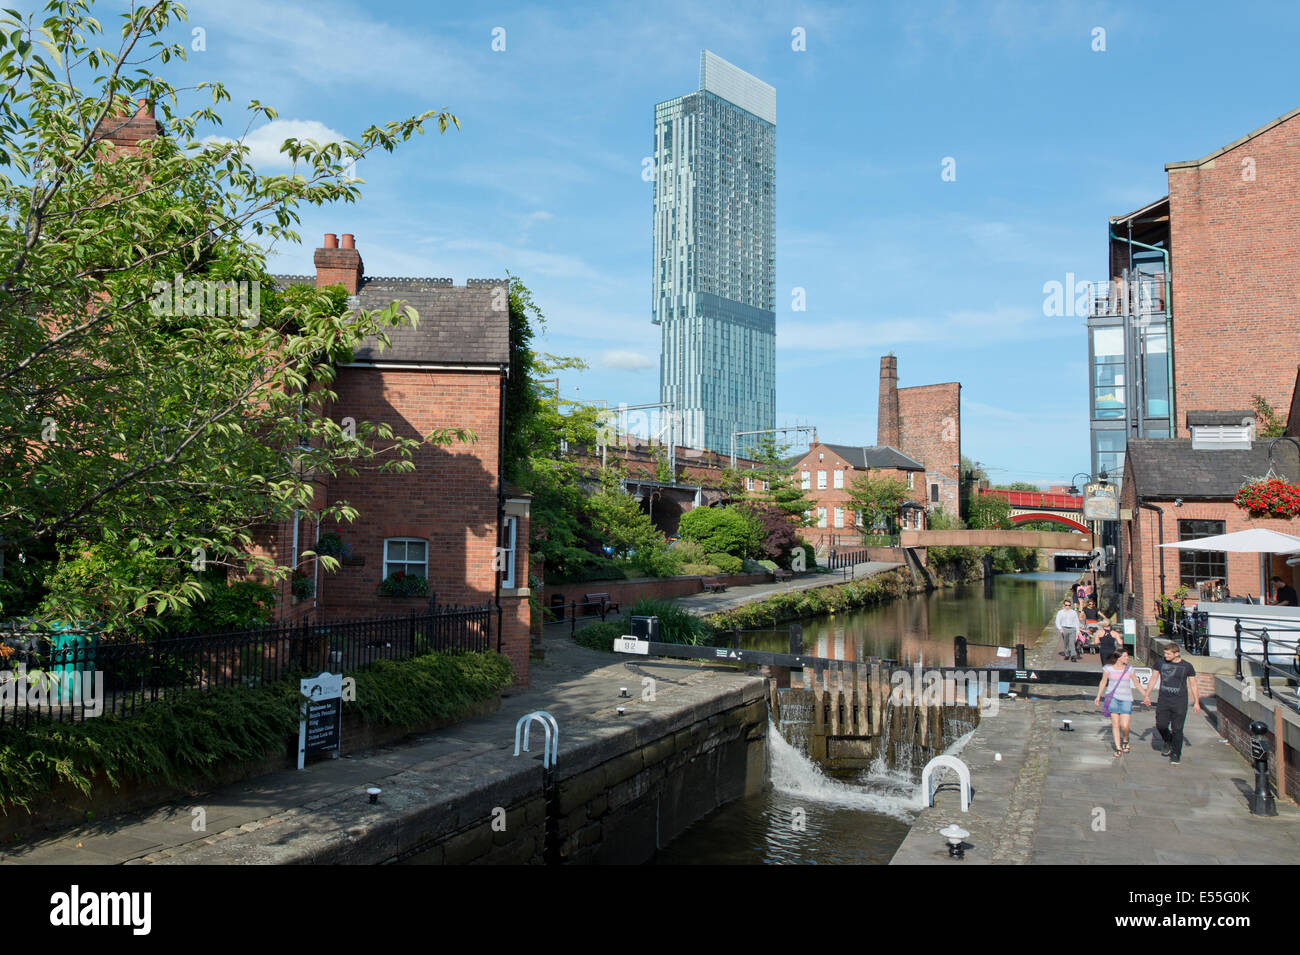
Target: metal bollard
[
  {"x": 1020, "y": 656},
  {"x": 1261, "y": 801},
  {"x": 959, "y": 651}
]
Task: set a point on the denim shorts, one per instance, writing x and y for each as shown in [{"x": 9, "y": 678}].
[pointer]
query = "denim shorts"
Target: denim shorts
[{"x": 1121, "y": 706}]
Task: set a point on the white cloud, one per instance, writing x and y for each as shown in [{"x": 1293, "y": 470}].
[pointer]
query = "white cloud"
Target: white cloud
[
  {"x": 627, "y": 361},
  {"x": 264, "y": 142}
]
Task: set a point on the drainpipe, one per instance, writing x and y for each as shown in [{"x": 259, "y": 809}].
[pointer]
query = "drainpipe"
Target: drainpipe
[
  {"x": 1169, "y": 320},
  {"x": 501, "y": 502},
  {"x": 1160, "y": 514}
]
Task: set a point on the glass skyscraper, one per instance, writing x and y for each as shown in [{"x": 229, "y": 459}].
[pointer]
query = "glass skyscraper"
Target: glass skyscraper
[{"x": 715, "y": 255}]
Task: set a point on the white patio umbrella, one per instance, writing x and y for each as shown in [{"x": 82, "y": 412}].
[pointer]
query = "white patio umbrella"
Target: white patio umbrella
[{"x": 1256, "y": 540}]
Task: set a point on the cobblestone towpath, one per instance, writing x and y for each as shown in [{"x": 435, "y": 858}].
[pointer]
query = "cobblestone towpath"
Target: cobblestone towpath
[{"x": 1045, "y": 796}]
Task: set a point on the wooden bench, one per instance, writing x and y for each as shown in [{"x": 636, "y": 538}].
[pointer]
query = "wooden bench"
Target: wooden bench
[
  {"x": 605, "y": 604},
  {"x": 713, "y": 585},
  {"x": 781, "y": 575}
]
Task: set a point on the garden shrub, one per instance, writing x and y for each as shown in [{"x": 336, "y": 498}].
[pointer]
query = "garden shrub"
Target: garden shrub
[{"x": 726, "y": 563}]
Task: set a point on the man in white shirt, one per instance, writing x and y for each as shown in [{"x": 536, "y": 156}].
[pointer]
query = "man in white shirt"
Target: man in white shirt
[{"x": 1067, "y": 621}]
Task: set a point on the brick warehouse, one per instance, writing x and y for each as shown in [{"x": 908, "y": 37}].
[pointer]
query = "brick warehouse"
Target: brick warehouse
[
  {"x": 1235, "y": 243},
  {"x": 444, "y": 519},
  {"x": 924, "y": 422}
]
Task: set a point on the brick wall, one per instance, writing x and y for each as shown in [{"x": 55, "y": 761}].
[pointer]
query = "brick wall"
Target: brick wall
[
  {"x": 448, "y": 501},
  {"x": 821, "y": 458},
  {"x": 1234, "y": 727},
  {"x": 930, "y": 431},
  {"x": 1141, "y": 540},
  {"x": 1235, "y": 249}
]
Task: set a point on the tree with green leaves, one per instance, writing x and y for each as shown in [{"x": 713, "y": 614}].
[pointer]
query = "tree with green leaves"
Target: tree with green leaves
[
  {"x": 878, "y": 498},
  {"x": 151, "y": 422},
  {"x": 539, "y": 427},
  {"x": 775, "y": 482}
]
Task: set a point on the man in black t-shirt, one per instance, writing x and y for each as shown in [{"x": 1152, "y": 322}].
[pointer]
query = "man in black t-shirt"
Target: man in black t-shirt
[
  {"x": 1286, "y": 595},
  {"x": 1177, "y": 680}
]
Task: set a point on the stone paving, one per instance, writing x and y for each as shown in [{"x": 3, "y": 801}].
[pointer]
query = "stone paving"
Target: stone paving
[
  {"x": 1062, "y": 798},
  {"x": 291, "y": 815}
]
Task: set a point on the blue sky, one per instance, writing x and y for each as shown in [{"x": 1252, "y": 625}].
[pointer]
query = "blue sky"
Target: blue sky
[{"x": 1049, "y": 137}]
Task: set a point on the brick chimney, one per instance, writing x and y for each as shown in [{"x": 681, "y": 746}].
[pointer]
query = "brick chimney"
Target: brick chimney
[
  {"x": 887, "y": 415},
  {"x": 339, "y": 266},
  {"x": 124, "y": 133}
]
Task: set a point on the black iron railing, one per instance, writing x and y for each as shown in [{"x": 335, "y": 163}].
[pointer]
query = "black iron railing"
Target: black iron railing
[
  {"x": 65, "y": 676},
  {"x": 1279, "y": 655},
  {"x": 840, "y": 559},
  {"x": 1191, "y": 628}
]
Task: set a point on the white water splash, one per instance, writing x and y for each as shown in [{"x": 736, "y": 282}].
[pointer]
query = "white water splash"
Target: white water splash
[{"x": 794, "y": 774}]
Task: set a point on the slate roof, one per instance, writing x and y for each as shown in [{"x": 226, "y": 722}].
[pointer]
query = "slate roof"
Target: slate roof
[
  {"x": 1166, "y": 468},
  {"x": 1195, "y": 418},
  {"x": 457, "y": 323},
  {"x": 879, "y": 456}
]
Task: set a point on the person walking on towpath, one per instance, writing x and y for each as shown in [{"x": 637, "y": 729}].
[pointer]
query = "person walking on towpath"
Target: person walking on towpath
[
  {"x": 1119, "y": 701},
  {"x": 1108, "y": 644},
  {"x": 1176, "y": 679},
  {"x": 1067, "y": 621}
]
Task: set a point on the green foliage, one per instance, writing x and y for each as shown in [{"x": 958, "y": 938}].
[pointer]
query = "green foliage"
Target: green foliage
[
  {"x": 784, "y": 607},
  {"x": 435, "y": 686},
  {"x": 675, "y": 624},
  {"x": 190, "y": 738},
  {"x": 1019, "y": 486},
  {"x": 138, "y": 419},
  {"x": 401, "y": 584},
  {"x": 701, "y": 570},
  {"x": 989, "y": 511},
  {"x": 784, "y": 490},
  {"x": 619, "y": 522},
  {"x": 1271, "y": 424},
  {"x": 878, "y": 498},
  {"x": 726, "y": 563},
  {"x": 600, "y": 636},
  {"x": 689, "y": 552},
  {"x": 809, "y": 554},
  {"x": 722, "y": 530}
]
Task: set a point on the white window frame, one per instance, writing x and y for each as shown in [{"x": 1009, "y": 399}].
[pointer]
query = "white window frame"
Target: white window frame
[
  {"x": 859, "y": 518},
  {"x": 508, "y": 533},
  {"x": 911, "y": 480},
  {"x": 821, "y": 517},
  {"x": 805, "y": 480},
  {"x": 839, "y": 479},
  {"x": 821, "y": 480},
  {"x": 749, "y": 484},
  {"x": 839, "y": 517},
  {"x": 407, "y": 562}
]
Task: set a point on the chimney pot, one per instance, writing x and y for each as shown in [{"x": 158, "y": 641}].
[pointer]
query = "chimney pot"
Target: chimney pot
[
  {"x": 331, "y": 240},
  {"x": 349, "y": 240}
]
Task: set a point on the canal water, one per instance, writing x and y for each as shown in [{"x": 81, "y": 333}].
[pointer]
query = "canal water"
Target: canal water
[{"x": 808, "y": 817}]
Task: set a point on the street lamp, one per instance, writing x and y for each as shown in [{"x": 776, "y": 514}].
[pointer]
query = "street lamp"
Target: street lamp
[{"x": 1074, "y": 488}]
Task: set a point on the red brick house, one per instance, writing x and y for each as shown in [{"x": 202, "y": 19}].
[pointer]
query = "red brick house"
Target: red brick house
[
  {"x": 446, "y": 519},
  {"x": 1182, "y": 489},
  {"x": 826, "y": 473}
]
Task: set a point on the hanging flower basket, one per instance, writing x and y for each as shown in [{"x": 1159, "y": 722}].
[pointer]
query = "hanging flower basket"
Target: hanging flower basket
[{"x": 1269, "y": 498}]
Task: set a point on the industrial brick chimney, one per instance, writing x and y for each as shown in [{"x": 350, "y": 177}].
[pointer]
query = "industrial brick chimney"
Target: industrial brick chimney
[
  {"x": 887, "y": 424},
  {"x": 339, "y": 266}
]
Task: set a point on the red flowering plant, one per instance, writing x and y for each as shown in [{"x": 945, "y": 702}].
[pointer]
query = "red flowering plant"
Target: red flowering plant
[{"x": 1269, "y": 497}]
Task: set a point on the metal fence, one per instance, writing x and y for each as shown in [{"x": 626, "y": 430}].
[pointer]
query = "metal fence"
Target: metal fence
[
  {"x": 838, "y": 559},
  {"x": 69, "y": 675},
  {"x": 1283, "y": 643},
  {"x": 1191, "y": 628}
]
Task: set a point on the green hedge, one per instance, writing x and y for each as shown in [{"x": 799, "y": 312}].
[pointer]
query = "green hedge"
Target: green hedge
[
  {"x": 190, "y": 738},
  {"x": 675, "y": 626},
  {"x": 782, "y": 608}
]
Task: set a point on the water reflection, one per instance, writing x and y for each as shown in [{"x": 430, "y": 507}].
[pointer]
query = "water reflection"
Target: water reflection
[{"x": 920, "y": 628}]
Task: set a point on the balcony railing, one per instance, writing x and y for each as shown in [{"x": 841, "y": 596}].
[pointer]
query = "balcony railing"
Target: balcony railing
[{"x": 1144, "y": 295}]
